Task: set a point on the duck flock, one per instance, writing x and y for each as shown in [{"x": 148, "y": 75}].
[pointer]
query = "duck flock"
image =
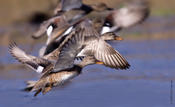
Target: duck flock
[{"x": 76, "y": 40}]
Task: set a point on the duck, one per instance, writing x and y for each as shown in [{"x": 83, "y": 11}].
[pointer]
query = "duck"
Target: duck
[
  {"x": 133, "y": 13},
  {"x": 53, "y": 79},
  {"x": 71, "y": 10}
]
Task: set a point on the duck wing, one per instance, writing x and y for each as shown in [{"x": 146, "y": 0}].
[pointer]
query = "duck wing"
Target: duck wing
[
  {"x": 37, "y": 64},
  {"x": 96, "y": 46},
  {"x": 108, "y": 55},
  {"x": 69, "y": 51}
]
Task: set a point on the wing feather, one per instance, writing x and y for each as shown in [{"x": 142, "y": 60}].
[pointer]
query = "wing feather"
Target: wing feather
[
  {"x": 29, "y": 60},
  {"x": 70, "y": 51},
  {"x": 105, "y": 53},
  {"x": 94, "y": 45}
]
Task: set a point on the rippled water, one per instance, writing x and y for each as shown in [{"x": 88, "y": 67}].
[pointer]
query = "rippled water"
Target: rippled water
[{"x": 145, "y": 84}]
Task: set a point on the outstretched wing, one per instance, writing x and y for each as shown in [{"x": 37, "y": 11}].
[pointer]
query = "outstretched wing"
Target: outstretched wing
[
  {"x": 69, "y": 51},
  {"x": 37, "y": 64},
  {"x": 108, "y": 55}
]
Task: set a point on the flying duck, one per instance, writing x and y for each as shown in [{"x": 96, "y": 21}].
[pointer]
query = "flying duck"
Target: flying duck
[
  {"x": 133, "y": 13},
  {"x": 53, "y": 79}
]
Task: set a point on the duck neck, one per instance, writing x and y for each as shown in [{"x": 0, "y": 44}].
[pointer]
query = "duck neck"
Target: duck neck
[{"x": 82, "y": 64}]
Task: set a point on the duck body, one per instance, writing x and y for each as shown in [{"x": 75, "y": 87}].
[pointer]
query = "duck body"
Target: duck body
[
  {"x": 127, "y": 17},
  {"x": 131, "y": 14},
  {"x": 53, "y": 79}
]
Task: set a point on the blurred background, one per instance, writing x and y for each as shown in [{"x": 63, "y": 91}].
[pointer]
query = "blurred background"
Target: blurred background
[
  {"x": 16, "y": 15},
  {"x": 149, "y": 47}
]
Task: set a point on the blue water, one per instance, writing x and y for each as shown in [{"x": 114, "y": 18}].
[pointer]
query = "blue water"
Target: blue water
[{"x": 145, "y": 84}]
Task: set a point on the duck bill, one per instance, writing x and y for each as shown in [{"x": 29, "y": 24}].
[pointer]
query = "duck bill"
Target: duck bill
[
  {"x": 118, "y": 38},
  {"x": 99, "y": 62}
]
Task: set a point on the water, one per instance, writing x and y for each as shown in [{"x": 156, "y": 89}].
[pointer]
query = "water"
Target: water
[{"x": 145, "y": 84}]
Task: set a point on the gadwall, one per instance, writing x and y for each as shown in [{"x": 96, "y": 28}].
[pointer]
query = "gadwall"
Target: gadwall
[
  {"x": 71, "y": 10},
  {"x": 132, "y": 13},
  {"x": 53, "y": 79}
]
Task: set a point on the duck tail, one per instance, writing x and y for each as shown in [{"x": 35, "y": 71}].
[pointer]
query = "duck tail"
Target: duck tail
[
  {"x": 30, "y": 85},
  {"x": 37, "y": 87}
]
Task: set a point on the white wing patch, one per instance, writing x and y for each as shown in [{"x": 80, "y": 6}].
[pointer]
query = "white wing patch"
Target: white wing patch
[
  {"x": 105, "y": 29},
  {"x": 49, "y": 30},
  {"x": 39, "y": 69},
  {"x": 68, "y": 30}
]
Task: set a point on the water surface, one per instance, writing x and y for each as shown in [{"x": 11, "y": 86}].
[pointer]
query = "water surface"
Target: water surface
[{"x": 145, "y": 84}]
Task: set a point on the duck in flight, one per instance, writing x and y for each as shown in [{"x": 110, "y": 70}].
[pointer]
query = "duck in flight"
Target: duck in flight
[
  {"x": 54, "y": 79},
  {"x": 71, "y": 10},
  {"x": 133, "y": 13}
]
